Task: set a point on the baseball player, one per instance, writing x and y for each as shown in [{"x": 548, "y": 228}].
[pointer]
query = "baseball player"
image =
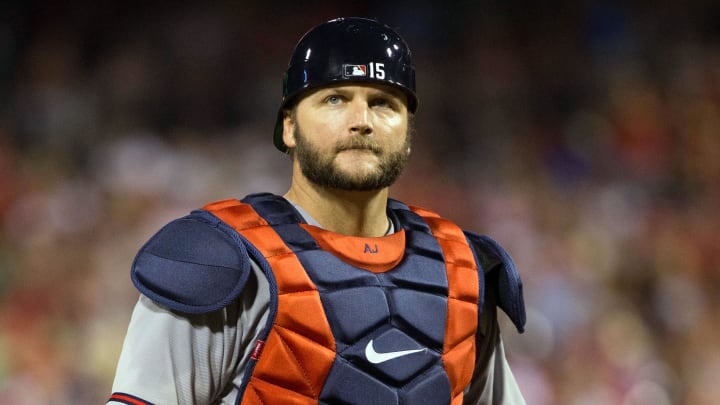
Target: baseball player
[{"x": 333, "y": 293}]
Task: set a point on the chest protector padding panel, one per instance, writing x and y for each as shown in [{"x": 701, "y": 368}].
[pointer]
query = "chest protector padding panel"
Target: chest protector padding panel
[{"x": 404, "y": 335}]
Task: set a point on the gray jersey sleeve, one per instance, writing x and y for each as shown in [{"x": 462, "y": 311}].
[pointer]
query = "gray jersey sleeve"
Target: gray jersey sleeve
[
  {"x": 493, "y": 381},
  {"x": 168, "y": 358},
  {"x": 172, "y": 358}
]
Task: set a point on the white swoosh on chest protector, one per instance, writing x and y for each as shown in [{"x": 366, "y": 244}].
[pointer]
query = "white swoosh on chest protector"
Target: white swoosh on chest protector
[{"x": 377, "y": 358}]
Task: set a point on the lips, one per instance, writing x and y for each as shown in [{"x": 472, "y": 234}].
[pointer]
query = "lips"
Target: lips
[{"x": 370, "y": 148}]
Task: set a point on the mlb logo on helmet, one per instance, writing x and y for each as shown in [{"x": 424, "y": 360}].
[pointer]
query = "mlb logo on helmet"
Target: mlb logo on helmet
[{"x": 354, "y": 70}]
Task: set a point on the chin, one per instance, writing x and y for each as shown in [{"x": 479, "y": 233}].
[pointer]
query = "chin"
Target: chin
[
  {"x": 359, "y": 172},
  {"x": 353, "y": 164}
]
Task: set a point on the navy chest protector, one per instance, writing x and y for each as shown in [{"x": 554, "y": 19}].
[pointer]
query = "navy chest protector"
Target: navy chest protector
[{"x": 397, "y": 330}]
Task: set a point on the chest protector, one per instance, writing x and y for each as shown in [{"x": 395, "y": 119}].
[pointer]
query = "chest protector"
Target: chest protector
[{"x": 388, "y": 320}]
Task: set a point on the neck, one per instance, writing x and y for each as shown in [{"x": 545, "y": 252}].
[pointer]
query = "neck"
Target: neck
[{"x": 356, "y": 213}]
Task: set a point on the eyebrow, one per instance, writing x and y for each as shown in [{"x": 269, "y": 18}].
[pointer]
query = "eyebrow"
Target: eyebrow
[{"x": 374, "y": 91}]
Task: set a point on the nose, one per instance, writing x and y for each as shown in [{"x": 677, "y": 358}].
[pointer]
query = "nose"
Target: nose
[{"x": 360, "y": 122}]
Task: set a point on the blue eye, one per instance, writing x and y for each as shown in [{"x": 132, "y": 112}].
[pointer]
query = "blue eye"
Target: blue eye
[
  {"x": 333, "y": 99},
  {"x": 380, "y": 102}
]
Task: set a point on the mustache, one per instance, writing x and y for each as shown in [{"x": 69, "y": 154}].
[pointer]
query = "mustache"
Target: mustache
[{"x": 358, "y": 143}]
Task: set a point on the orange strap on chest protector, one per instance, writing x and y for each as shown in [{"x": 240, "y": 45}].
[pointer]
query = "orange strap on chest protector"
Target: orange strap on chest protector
[
  {"x": 463, "y": 298},
  {"x": 293, "y": 366}
]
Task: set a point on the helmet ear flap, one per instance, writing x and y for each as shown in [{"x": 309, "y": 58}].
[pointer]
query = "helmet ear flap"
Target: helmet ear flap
[
  {"x": 353, "y": 49},
  {"x": 285, "y": 86}
]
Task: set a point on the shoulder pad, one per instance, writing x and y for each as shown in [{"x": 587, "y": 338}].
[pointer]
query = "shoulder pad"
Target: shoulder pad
[
  {"x": 509, "y": 289},
  {"x": 192, "y": 265}
]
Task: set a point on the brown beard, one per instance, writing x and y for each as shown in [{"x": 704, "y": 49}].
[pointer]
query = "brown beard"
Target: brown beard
[{"x": 323, "y": 172}]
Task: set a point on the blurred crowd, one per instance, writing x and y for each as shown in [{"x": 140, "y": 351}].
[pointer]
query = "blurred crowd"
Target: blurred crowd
[{"x": 584, "y": 137}]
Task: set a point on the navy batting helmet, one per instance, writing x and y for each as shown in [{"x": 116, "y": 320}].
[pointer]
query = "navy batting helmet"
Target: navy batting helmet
[{"x": 347, "y": 50}]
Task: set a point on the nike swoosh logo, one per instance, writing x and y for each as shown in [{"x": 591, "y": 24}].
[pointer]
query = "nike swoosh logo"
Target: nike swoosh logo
[{"x": 376, "y": 358}]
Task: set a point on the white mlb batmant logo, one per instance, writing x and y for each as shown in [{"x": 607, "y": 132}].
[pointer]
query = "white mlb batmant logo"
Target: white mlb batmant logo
[
  {"x": 355, "y": 70},
  {"x": 373, "y": 70}
]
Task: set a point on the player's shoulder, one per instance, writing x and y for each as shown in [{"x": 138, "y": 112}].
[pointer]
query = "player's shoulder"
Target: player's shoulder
[
  {"x": 194, "y": 264},
  {"x": 501, "y": 274}
]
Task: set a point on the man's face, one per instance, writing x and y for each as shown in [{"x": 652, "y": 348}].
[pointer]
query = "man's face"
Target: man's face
[{"x": 350, "y": 137}]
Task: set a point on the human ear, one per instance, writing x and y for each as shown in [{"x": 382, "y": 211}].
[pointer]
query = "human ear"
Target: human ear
[{"x": 288, "y": 129}]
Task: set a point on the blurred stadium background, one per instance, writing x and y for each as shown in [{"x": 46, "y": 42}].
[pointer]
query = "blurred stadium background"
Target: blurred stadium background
[{"x": 584, "y": 136}]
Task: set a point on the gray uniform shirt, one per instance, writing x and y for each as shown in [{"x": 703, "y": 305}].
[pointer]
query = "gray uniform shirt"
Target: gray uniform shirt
[{"x": 174, "y": 358}]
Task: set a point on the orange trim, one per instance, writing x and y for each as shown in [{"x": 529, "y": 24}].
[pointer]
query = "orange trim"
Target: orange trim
[
  {"x": 127, "y": 399},
  {"x": 463, "y": 299},
  {"x": 377, "y": 255},
  {"x": 303, "y": 345}
]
